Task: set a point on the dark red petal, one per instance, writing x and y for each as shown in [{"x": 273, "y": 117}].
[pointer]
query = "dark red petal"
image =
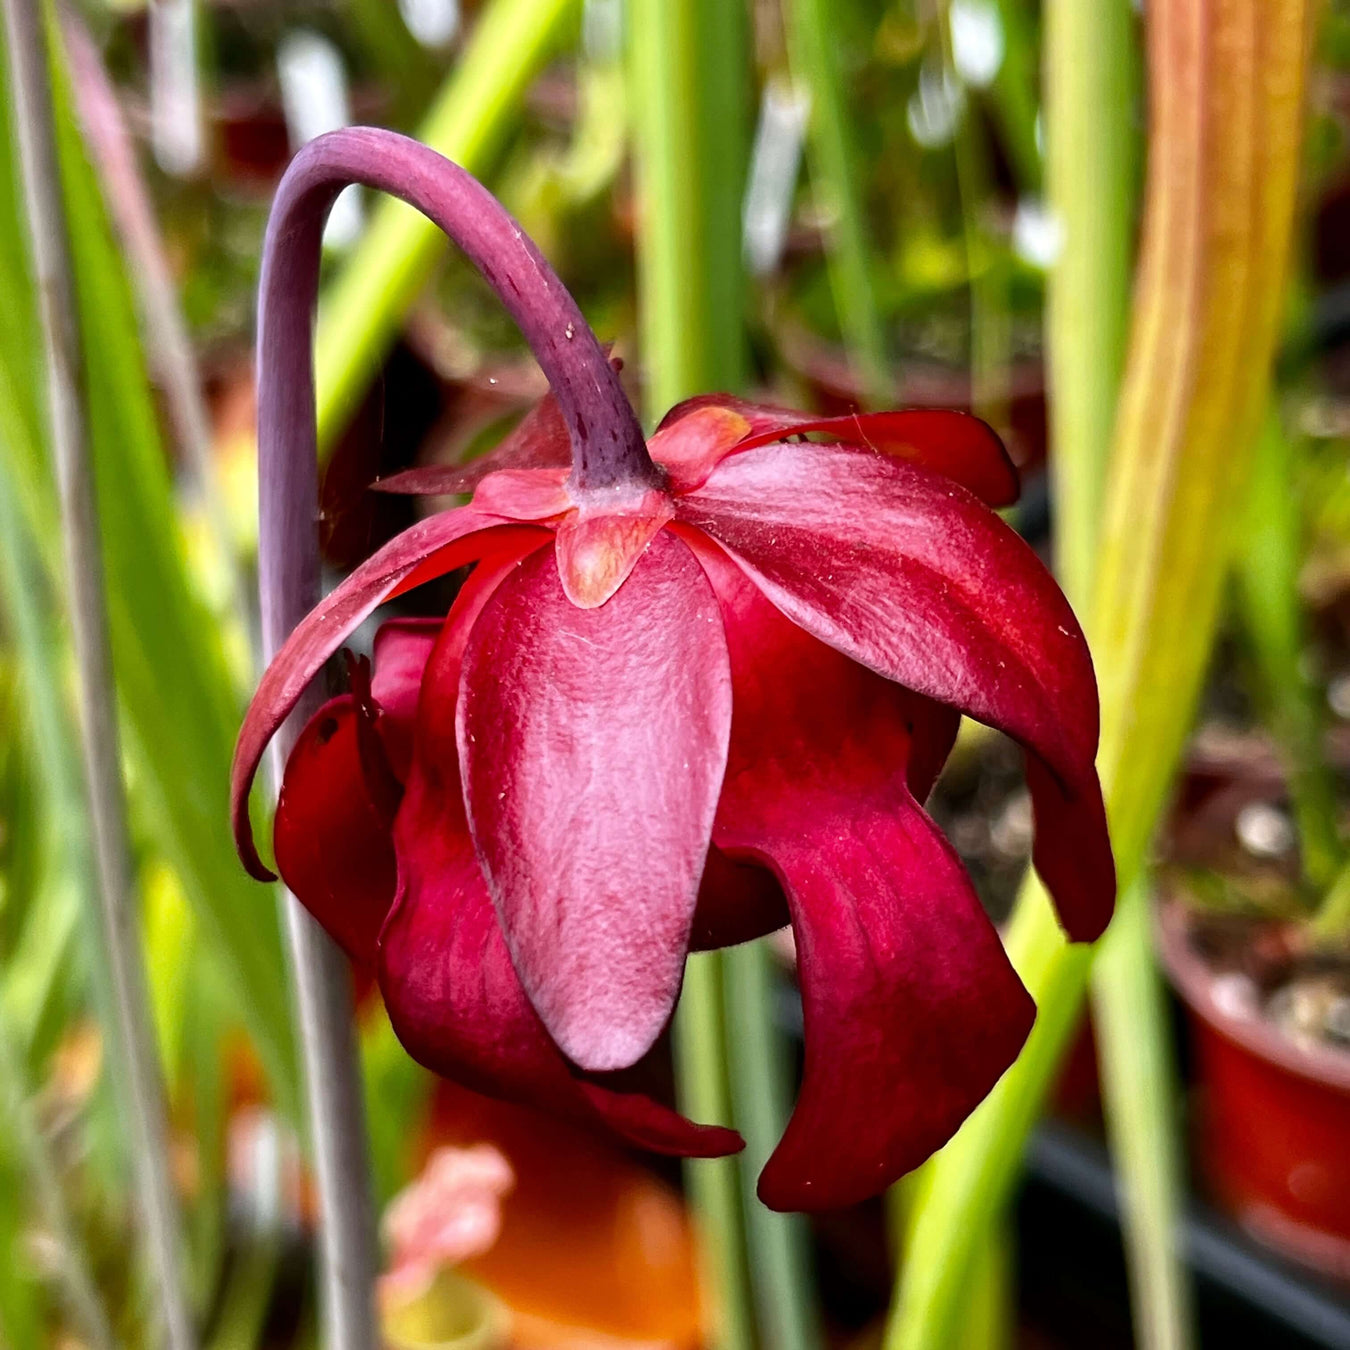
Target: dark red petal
[
  {"x": 333, "y": 844},
  {"x": 593, "y": 743},
  {"x": 912, "y": 1009},
  {"x": 909, "y": 574},
  {"x": 738, "y": 901},
  {"x": 402, "y": 648},
  {"x": 429, "y": 549},
  {"x": 954, "y": 444},
  {"x": 452, "y": 992},
  {"x": 456, "y": 1002}
]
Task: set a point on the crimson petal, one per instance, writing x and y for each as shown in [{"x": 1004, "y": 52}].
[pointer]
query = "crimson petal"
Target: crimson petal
[
  {"x": 456, "y": 1002},
  {"x": 912, "y": 1009},
  {"x": 955, "y": 444},
  {"x": 333, "y": 843},
  {"x": 448, "y": 982},
  {"x": 909, "y": 574},
  {"x": 593, "y": 743},
  {"x": 402, "y": 648},
  {"x": 429, "y": 549}
]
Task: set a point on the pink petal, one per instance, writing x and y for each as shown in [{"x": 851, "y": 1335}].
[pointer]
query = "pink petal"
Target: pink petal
[
  {"x": 593, "y": 743},
  {"x": 447, "y": 978},
  {"x": 456, "y": 1002},
  {"x": 333, "y": 843},
  {"x": 954, "y": 444},
  {"x": 910, "y": 575},
  {"x": 429, "y": 549},
  {"x": 402, "y": 648},
  {"x": 912, "y": 1009}
]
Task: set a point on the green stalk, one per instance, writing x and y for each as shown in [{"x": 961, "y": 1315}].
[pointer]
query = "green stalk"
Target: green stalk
[
  {"x": 28, "y": 32},
  {"x": 704, "y": 1091},
  {"x": 837, "y": 183},
  {"x": 689, "y": 75},
  {"x": 688, "y": 63},
  {"x": 361, "y": 311},
  {"x": 761, "y": 1092},
  {"x": 1227, "y": 92}
]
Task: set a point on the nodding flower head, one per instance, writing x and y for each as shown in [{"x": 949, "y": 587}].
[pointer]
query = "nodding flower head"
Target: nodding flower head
[{"x": 694, "y": 688}]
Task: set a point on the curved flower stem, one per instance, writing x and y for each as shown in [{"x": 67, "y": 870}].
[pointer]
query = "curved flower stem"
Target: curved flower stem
[
  {"x": 608, "y": 452},
  {"x": 608, "y": 448},
  {"x": 131, "y": 1032}
]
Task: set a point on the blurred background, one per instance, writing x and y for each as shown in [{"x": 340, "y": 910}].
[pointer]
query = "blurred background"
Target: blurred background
[{"x": 1122, "y": 237}]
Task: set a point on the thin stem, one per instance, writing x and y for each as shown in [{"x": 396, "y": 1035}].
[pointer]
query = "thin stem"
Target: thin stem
[
  {"x": 761, "y": 1092},
  {"x": 705, "y": 1094},
  {"x": 608, "y": 448},
  {"x": 26, "y": 40}
]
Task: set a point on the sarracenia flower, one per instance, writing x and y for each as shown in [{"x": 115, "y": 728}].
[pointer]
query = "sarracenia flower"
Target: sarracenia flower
[{"x": 693, "y": 689}]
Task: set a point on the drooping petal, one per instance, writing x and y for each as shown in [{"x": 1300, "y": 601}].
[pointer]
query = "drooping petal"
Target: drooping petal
[
  {"x": 910, "y": 575},
  {"x": 333, "y": 843},
  {"x": 401, "y": 650},
  {"x": 955, "y": 444},
  {"x": 457, "y": 1004},
  {"x": 429, "y": 549},
  {"x": 912, "y": 1009},
  {"x": 447, "y": 978},
  {"x": 593, "y": 743}
]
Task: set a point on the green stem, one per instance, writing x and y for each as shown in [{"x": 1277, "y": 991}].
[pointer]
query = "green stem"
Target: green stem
[
  {"x": 689, "y": 75},
  {"x": 705, "y": 1094},
  {"x": 836, "y": 179},
  {"x": 1091, "y": 181},
  {"x": 1139, "y": 1086},
  {"x": 780, "y": 1244},
  {"x": 688, "y": 64},
  {"x": 361, "y": 311}
]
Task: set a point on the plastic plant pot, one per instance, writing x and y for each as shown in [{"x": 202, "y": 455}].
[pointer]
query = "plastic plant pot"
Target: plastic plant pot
[{"x": 1274, "y": 1119}]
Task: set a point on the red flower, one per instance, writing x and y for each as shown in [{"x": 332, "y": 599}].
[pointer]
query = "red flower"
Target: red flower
[{"x": 675, "y": 708}]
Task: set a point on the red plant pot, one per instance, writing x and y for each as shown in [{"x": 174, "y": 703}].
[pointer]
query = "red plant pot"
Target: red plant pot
[{"x": 1273, "y": 1128}]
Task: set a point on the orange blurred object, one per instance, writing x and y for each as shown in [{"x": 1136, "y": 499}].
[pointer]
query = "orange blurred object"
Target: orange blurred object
[{"x": 594, "y": 1250}]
